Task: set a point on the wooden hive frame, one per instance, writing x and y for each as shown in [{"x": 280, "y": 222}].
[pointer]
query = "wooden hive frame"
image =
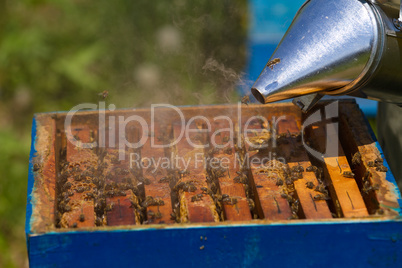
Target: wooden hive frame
[{"x": 363, "y": 214}]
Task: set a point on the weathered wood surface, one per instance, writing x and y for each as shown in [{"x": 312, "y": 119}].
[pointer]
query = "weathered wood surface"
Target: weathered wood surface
[
  {"x": 294, "y": 151},
  {"x": 344, "y": 190},
  {"x": 351, "y": 197}
]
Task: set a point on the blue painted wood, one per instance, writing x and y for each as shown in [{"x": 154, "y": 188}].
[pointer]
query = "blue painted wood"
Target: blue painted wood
[
  {"x": 352, "y": 244},
  {"x": 30, "y": 179}
]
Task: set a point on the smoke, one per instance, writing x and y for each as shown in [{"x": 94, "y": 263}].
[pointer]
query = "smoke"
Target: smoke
[{"x": 230, "y": 76}]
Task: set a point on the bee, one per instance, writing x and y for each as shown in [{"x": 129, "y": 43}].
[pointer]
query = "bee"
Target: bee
[
  {"x": 310, "y": 184},
  {"x": 74, "y": 225},
  {"x": 36, "y": 167},
  {"x": 245, "y": 100},
  {"x": 89, "y": 195},
  {"x": 82, "y": 217},
  {"x": 273, "y": 62},
  {"x": 179, "y": 186},
  {"x": 228, "y": 150},
  {"x": 197, "y": 197},
  {"x": 348, "y": 174},
  {"x": 151, "y": 214},
  {"x": 146, "y": 181},
  {"x": 311, "y": 169},
  {"x": 370, "y": 164},
  {"x": 321, "y": 197},
  {"x": 288, "y": 181},
  {"x": 367, "y": 176},
  {"x": 356, "y": 159},
  {"x": 380, "y": 211},
  {"x": 184, "y": 172},
  {"x": 251, "y": 204},
  {"x": 104, "y": 94},
  {"x": 289, "y": 198},
  {"x": 382, "y": 168},
  {"x": 67, "y": 208},
  {"x": 237, "y": 179},
  {"x": 164, "y": 179},
  {"x": 279, "y": 182},
  {"x": 378, "y": 161},
  {"x": 297, "y": 168},
  {"x": 80, "y": 189},
  {"x": 109, "y": 207},
  {"x": 121, "y": 193},
  {"x": 205, "y": 190},
  {"x": 321, "y": 189},
  {"x": 189, "y": 188}
]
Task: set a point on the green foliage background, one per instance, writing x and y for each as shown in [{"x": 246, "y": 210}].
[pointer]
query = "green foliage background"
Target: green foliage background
[{"x": 55, "y": 54}]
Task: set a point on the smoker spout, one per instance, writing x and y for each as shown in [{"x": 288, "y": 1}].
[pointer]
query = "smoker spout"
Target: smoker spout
[{"x": 337, "y": 47}]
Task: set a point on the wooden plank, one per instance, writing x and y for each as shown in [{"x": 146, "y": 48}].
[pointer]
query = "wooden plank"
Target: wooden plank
[
  {"x": 311, "y": 209},
  {"x": 156, "y": 170},
  {"x": 222, "y": 142},
  {"x": 78, "y": 206},
  {"x": 122, "y": 204},
  {"x": 44, "y": 169},
  {"x": 270, "y": 200},
  {"x": 380, "y": 194},
  {"x": 191, "y": 160},
  {"x": 343, "y": 190}
]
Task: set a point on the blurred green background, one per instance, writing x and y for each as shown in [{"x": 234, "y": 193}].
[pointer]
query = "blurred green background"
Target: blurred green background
[{"x": 57, "y": 54}]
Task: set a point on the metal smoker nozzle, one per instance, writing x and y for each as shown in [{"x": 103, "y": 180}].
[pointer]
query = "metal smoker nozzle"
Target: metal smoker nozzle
[{"x": 336, "y": 47}]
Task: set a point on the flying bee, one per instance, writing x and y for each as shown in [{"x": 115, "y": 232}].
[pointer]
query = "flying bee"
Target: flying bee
[
  {"x": 245, "y": 100},
  {"x": 104, "y": 94}
]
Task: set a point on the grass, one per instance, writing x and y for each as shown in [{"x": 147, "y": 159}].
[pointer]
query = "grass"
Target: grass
[{"x": 55, "y": 54}]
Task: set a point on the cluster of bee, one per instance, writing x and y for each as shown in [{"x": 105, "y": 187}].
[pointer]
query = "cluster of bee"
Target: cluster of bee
[
  {"x": 320, "y": 188},
  {"x": 290, "y": 174},
  {"x": 367, "y": 186},
  {"x": 187, "y": 186},
  {"x": 293, "y": 202},
  {"x": 92, "y": 184},
  {"x": 151, "y": 201},
  {"x": 378, "y": 164}
]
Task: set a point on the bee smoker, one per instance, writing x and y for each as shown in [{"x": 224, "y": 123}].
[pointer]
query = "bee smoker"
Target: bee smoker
[{"x": 337, "y": 47}]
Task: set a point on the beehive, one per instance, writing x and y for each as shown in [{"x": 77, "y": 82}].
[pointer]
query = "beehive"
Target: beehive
[{"x": 95, "y": 200}]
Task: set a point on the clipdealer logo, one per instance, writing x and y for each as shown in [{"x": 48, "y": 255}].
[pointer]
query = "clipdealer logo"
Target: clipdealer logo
[{"x": 115, "y": 127}]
